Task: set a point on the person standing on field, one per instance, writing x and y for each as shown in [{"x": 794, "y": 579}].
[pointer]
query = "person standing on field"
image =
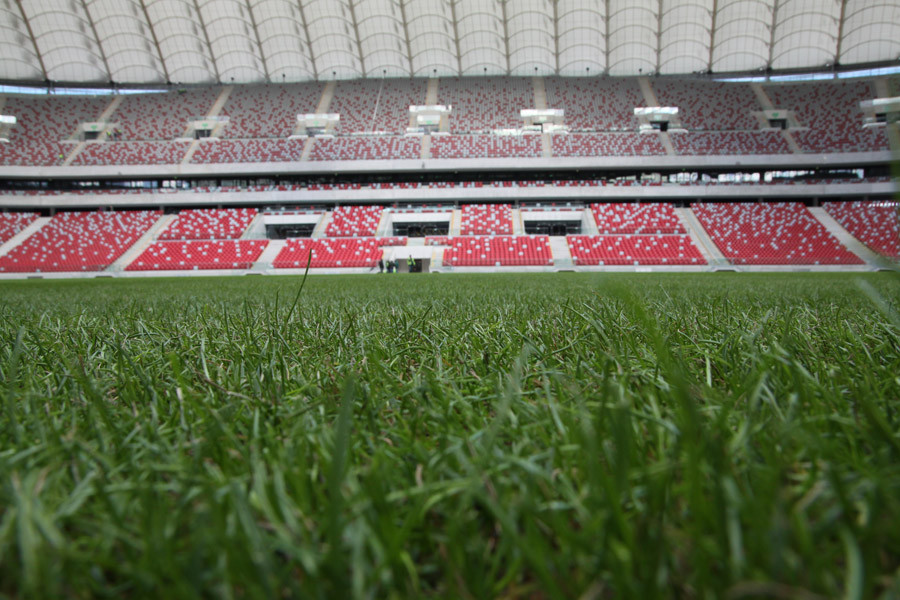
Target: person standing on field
[{"x": 381, "y": 265}]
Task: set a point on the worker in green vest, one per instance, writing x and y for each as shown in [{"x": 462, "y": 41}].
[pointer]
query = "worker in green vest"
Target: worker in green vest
[{"x": 410, "y": 263}]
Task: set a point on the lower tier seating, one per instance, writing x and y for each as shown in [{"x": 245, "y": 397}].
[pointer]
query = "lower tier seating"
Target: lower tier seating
[
  {"x": 486, "y": 219},
  {"x": 649, "y": 217},
  {"x": 13, "y": 223},
  {"x": 499, "y": 251},
  {"x": 328, "y": 253},
  {"x": 79, "y": 241},
  {"x": 875, "y": 224},
  {"x": 634, "y": 250},
  {"x": 209, "y": 224},
  {"x": 199, "y": 254},
  {"x": 353, "y": 221},
  {"x": 771, "y": 233}
]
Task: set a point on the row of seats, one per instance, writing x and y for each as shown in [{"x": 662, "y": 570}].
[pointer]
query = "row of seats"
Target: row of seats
[
  {"x": 13, "y": 223},
  {"x": 486, "y": 146},
  {"x": 79, "y": 241},
  {"x": 209, "y": 224},
  {"x": 771, "y": 233},
  {"x": 354, "y": 221},
  {"x": 163, "y": 116},
  {"x": 634, "y": 250},
  {"x": 373, "y": 105},
  {"x": 199, "y": 255},
  {"x": 499, "y": 251},
  {"x": 648, "y": 217},
  {"x": 248, "y": 151},
  {"x": 586, "y": 145},
  {"x": 132, "y": 153},
  {"x": 366, "y": 148},
  {"x": 876, "y": 224},
  {"x": 328, "y": 253},
  {"x": 729, "y": 142}
]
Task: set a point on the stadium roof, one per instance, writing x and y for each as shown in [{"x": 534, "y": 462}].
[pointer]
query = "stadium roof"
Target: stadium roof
[{"x": 207, "y": 41}]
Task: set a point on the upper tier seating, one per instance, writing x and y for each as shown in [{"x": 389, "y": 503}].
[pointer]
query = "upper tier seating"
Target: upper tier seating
[
  {"x": 634, "y": 250},
  {"x": 199, "y": 254},
  {"x": 354, "y": 221},
  {"x": 132, "y": 153},
  {"x": 250, "y": 151},
  {"x": 729, "y": 142},
  {"x": 79, "y": 241},
  {"x": 499, "y": 251},
  {"x": 771, "y": 233},
  {"x": 876, "y": 224},
  {"x": 831, "y": 111},
  {"x": 607, "y": 144},
  {"x": 367, "y": 148},
  {"x": 376, "y": 104},
  {"x": 710, "y": 105},
  {"x": 162, "y": 116},
  {"x": 485, "y": 146},
  {"x": 593, "y": 103},
  {"x": 268, "y": 111},
  {"x": 621, "y": 217},
  {"x": 13, "y": 223},
  {"x": 329, "y": 253},
  {"x": 485, "y": 103},
  {"x": 42, "y": 122},
  {"x": 486, "y": 219},
  {"x": 209, "y": 224}
]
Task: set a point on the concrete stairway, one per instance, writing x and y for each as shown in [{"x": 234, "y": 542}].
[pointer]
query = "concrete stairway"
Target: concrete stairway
[
  {"x": 143, "y": 242},
  {"x": 701, "y": 239},
  {"x": 844, "y": 237},
  {"x": 559, "y": 250},
  {"x": 23, "y": 235},
  {"x": 268, "y": 255},
  {"x": 321, "y": 226}
]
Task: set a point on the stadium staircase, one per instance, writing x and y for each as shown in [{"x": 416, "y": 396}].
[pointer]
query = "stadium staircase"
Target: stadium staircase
[
  {"x": 141, "y": 244},
  {"x": 23, "y": 235},
  {"x": 454, "y": 222},
  {"x": 701, "y": 239},
  {"x": 319, "y": 230},
  {"x": 559, "y": 250},
  {"x": 843, "y": 236},
  {"x": 518, "y": 227},
  {"x": 255, "y": 230},
  {"x": 265, "y": 260}
]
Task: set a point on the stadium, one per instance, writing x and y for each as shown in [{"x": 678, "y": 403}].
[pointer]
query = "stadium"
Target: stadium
[{"x": 450, "y": 298}]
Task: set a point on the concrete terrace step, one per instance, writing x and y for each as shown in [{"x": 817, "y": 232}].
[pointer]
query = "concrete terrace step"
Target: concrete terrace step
[
  {"x": 23, "y": 235},
  {"x": 143, "y": 242},
  {"x": 701, "y": 239},
  {"x": 844, "y": 237},
  {"x": 268, "y": 255}
]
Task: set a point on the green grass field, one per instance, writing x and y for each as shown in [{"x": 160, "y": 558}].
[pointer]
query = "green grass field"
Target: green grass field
[{"x": 511, "y": 436}]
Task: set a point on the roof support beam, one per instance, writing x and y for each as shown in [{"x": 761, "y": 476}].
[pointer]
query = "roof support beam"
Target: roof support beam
[
  {"x": 772, "y": 35},
  {"x": 162, "y": 60},
  {"x": 262, "y": 55},
  {"x": 312, "y": 58},
  {"x": 37, "y": 53},
  {"x": 659, "y": 29},
  {"x": 712, "y": 35},
  {"x": 840, "y": 34},
  {"x": 556, "y": 36},
  {"x": 359, "y": 50},
  {"x": 606, "y": 36},
  {"x": 505, "y": 36},
  {"x": 212, "y": 56},
  {"x": 456, "y": 37},
  {"x": 87, "y": 14},
  {"x": 409, "y": 55}
]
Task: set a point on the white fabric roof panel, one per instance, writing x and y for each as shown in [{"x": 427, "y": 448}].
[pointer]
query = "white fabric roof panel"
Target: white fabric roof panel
[{"x": 207, "y": 41}]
